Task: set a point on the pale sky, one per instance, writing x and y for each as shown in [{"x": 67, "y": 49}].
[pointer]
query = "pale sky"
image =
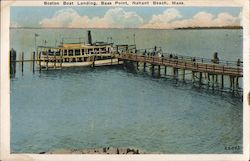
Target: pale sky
[{"x": 125, "y": 17}]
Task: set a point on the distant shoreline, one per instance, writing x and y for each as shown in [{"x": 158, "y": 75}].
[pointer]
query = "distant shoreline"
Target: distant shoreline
[
  {"x": 200, "y": 28},
  {"x": 180, "y": 28}
]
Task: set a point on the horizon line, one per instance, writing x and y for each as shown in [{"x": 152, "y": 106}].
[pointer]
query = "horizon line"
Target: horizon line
[{"x": 194, "y": 27}]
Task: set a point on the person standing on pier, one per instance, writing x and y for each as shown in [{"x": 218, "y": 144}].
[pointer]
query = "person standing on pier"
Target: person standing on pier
[
  {"x": 238, "y": 62},
  {"x": 216, "y": 59}
]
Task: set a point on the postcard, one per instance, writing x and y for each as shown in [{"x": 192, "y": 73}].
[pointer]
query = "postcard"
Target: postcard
[{"x": 124, "y": 80}]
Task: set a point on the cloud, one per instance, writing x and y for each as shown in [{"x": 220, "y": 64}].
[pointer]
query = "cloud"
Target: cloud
[
  {"x": 166, "y": 16},
  {"x": 171, "y": 18},
  {"x": 163, "y": 20},
  {"x": 113, "y": 18},
  {"x": 120, "y": 18},
  {"x": 14, "y": 24}
]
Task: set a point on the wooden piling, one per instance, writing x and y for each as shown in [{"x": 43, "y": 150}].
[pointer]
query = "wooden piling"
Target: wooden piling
[
  {"x": 175, "y": 73},
  {"x": 213, "y": 81},
  {"x": 12, "y": 63},
  {"x": 31, "y": 56},
  {"x": 193, "y": 76},
  {"x": 144, "y": 67},
  {"x": 61, "y": 59},
  {"x": 183, "y": 76},
  {"x": 222, "y": 81},
  {"x": 200, "y": 79},
  {"x": 159, "y": 70},
  {"x": 33, "y": 62},
  {"x": 237, "y": 82},
  {"x": 47, "y": 61},
  {"x": 233, "y": 83},
  {"x": 22, "y": 61},
  {"x": 39, "y": 59},
  {"x": 153, "y": 69},
  {"x": 165, "y": 70}
]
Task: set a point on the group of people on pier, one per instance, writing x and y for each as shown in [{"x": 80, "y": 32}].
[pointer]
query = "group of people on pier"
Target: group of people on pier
[{"x": 215, "y": 59}]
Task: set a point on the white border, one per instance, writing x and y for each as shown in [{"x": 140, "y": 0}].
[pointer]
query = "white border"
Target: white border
[{"x": 5, "y": 95}]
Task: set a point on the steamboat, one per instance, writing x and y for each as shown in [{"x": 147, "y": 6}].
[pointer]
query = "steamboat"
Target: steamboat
[{"x": 82, "y": 54}]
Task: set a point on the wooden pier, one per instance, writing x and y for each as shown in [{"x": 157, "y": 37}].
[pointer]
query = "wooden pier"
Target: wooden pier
[
  {"x": 202, "y": 70},
  {"x": 195, "y": 66}
]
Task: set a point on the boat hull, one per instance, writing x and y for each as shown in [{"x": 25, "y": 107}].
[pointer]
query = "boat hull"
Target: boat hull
[{"x": 79, "y": 64}]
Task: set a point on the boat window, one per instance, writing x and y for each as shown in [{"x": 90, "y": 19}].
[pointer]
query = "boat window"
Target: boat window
[
  {"x": 65, "y": 52},
  {"x": 70, "y": 52},
  {"x": 57, "y": 53},
  {"x": 77, "y": 52},
  {"x": 82, "y": 51}
]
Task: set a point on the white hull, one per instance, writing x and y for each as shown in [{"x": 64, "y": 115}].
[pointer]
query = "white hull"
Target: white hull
[{"x": 78, "y": 64}]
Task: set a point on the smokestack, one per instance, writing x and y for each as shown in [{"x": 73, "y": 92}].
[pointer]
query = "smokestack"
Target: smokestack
[{"x": 89, "y": 41}]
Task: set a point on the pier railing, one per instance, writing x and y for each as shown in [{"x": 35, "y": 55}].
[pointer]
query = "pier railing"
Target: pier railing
[{"x": 158, "y": 51}]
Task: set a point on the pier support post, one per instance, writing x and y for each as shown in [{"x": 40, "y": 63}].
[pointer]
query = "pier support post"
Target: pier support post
[
  {"x": 137, "y": 65},
  {"x": 193, "y": 76},
  {"x": 165, "y": 70},
  {"x": 22, "y": 61},
  {"x": 175, "y": 73},
  {"x": 216, "y": 79},
  {"x": 237, "y": 82},
  {"x": 153, "y": 69},
  {"x": 222, "y": 81},
  {"x": 12, "y": 62},
  {"x": 233, "y": 84},
  {"x": 144, "y": 67},
  {"x": 33, "y": 61},
  {"x": 159, "y": 71},
  {"x": 61, "y": 59},
  {"x": 47, "y": 61},
  {"x": 213, "y": 81},
  {"x": 208, "y": 80},
  {"x": 200, "y": 79},
  {"x": 39, "y": 59},
  {"x": 183, "y": 76}
]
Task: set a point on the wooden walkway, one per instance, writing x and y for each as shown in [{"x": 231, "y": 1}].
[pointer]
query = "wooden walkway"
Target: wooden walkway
[
  {"x": 204, "y": 71},
  {"x": 185, "y": 64}
]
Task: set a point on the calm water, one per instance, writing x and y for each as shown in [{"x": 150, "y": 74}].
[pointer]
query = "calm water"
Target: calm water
[{"x": 109, "y": 106}]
